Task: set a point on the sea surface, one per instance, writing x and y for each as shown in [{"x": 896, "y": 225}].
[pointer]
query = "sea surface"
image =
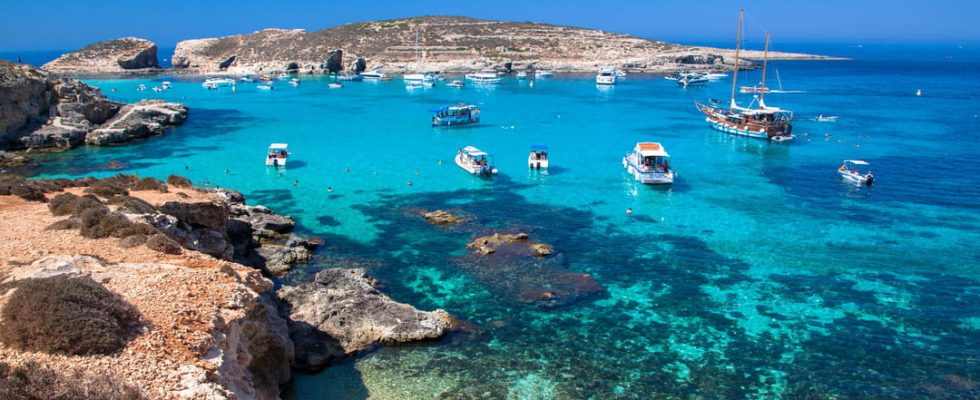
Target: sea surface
[{"x": 759, "y": 274}]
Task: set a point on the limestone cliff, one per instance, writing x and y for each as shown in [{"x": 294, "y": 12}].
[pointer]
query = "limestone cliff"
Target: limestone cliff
[
  {"x": 39, "y": 110},
  {"x": 444, "y": 43},
  {"x": 112, "y": 56}
]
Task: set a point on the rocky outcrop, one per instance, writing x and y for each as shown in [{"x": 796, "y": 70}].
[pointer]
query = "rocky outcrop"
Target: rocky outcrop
[
  {"x": 441, "y": 217},
  {"x": 448, "y": 44},
  {"x": 341, "y": 312},
  {"x": 486, "y": 245},
  {"x": 38, "y": 110},
  {"x": 112, "y": 56}
]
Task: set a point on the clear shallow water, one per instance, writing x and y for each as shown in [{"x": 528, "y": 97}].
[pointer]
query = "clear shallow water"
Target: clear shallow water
[{"x": 758, "y": 275}]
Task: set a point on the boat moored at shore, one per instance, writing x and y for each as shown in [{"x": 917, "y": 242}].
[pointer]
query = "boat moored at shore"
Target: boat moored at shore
[
  {"x": 648, "y": 164},
  {"x": 484, "y": 76},
  {"x": 606, "y": 76},
  {"x": 463, "y": 114},
  {"x": 475, "y": 161}
]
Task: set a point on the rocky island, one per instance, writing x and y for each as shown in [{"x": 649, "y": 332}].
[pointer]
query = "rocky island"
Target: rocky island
[
  {"x": 41, "y": 111},
  {"x": 125, "y": 55},
  {"x": 162, "y": 284},
  {"x": 454, "y": 44}
]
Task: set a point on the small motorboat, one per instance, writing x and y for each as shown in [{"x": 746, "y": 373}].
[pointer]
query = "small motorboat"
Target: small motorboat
[
  {"x": 714, "y": 76},
  {"x": 277, "y": 155},
  {"x": 522, "y": 75},
  {"x": 606, "y": 76},
  {"x": 141, "y": 88},
  {"x": 543, "y": 74},
  {"x": 247, "y": 78},
  {"x": 538, "y": 159},
  {"x": 209, "y": 85},
  {"x": 463, "y": 114},
  {"x": 265, "y": 78},
  {"x": 413, "y": 85},
  {"x": 456, "y": 84},
  {"x": 475, "y": 161},
  {"x": 157, "y": 89},
  {"x": 826, "y": 118},
  {"x": 850, "y": 170},
  {"x": 218, "y": 82},
  {"x": 428, "y": 84},
  {"x": 754, "y": 89},
  {"x": 294, "y": 81},
  {"x": 335, "y": 85},
  {"x": 283, "y": 77},
  {"x": 350, "y": 78},
  {"x": 692, "y": 80},
  {"x": 264, "y": 87},
  {"x": 374, "y": 75},
  {"x": 647, "y": 163},
  {"x": 165, "y": 84}
]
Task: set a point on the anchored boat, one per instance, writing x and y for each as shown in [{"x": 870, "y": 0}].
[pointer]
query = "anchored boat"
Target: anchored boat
[
  {"x": 485, "y": 76},
  {"x": 538, "y": 158},
  {"x": 606, "y": 76},
  {"x": 648, "y": 164},
  {"x": 475, "y": 161},
  {"x": 761, "y": 122},
  {"x": 463, "y": 114},
  {"x": 850, "y": 170},
  {"x": 277, "y": 155}
]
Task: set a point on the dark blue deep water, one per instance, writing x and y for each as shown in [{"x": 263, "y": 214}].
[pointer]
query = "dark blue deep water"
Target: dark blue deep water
[{"x": 758, "y": 275}]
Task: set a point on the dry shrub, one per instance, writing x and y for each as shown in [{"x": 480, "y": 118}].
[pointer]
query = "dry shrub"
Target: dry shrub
[
  {"x": 97, "y": 224},
  {"x": 63, "y": 204},
  {"x": 34, "y": 381},
  {"x": 65, "y": 224},
  {"x": 107, "y": 188},
  {"x": 88, "y": 202},
  {"x": 136, "y": 229},
  {"x": 150, "y": 184},
  {"x": 132, "y": 241},
  {"x": 163, "y": 244},
  {"x": 178, "y": 181},
  {"x": 67, "y": 315},
  {"x": 132, "y": 205}
]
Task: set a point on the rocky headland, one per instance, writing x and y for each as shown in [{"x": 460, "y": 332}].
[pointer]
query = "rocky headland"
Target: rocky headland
[
  {"x": 41, "y": 111},
  {"x": 455, "y": 44},
  {"x": 124, "y": 55},
  {"x": 188, "y": 264}
]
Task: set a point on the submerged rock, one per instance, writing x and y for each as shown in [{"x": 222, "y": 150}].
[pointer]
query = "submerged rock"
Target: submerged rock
[
  {"x": 487, "y": 245},
  {"x": 111, "y": 56},
  {"x": 341, "y": 312},
  {"x": 441, "y": 217}
]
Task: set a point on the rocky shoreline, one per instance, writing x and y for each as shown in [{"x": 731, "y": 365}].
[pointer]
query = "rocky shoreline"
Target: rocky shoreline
[
  {"x": 190, "y": 262},
  {"x": 39, "y": 111}
]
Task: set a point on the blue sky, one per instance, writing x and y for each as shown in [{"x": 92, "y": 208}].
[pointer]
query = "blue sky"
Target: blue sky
[{"x": 59, "y": 24}]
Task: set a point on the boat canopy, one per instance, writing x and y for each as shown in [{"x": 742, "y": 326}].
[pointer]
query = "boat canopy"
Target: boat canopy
[
  {"x": 857, "y": 162},
  {"x": 278, "y": 146},
  {"x": 473, "y": 151},
  {"x": 651, "y": 149},
  {"x": 539, "y": 147},
  {"x": 451, "y": 108}
]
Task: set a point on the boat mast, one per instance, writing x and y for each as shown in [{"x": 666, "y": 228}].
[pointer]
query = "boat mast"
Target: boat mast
[
  {"x": 738, "y": 46},
  {"x": 765, "y": 63}
]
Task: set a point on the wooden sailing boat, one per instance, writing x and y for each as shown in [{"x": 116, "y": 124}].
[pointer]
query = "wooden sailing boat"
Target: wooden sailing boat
[{"x": 763, "y": 122}]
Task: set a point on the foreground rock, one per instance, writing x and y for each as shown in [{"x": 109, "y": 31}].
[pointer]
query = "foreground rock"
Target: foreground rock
[
  {"x": 448, "y": 44},
  {"x": 341, "y": 312},
  {"x": 39, "y": 111},
  {"x": 113, "y": 56}
]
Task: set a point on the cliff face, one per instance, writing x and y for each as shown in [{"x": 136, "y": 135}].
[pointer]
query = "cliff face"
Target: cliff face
[
  {"x": 445, "y": 43},
  {"x": 38, "y": 110},
  {"x": 113, "y": 56}
]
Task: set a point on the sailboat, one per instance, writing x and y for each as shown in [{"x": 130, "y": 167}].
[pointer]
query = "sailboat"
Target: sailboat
[
  {"x": 422, "y": 77},
  {"x": 762, "y": 122}
]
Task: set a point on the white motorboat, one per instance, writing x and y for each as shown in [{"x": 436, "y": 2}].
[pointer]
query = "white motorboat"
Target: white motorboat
[
  {"x": 714, "y": 76},
  {"x": 374, "y": 75},
  {"x": 475, "y": 161},
  {"x": 522, "y": 75},
  {"x": 335, "y": 85},
  {"x": 157, "y": 89},
  {"x": 141, "y": 88},
  {"x": 277, "y": 155},
  {"x": 606, "y": 76},
  {"x": 209, "y": 85},
  {"x": 538, "y": 159},
  {"x": 484, "y": 76},
  {"x": 264, "y": 87},
  {"x": 247, "y": 78},
  {"x": 648, "y": 164},
  {"x": 294, "y": 81},
  {"x": 826, "y": 118},
  {"x": 283, "y": 76},
  {"x": 543, "y": 74},
  {"x": 165, "y": 84},
  {"x": 456, "y": 84},
  {"x": 218, "y": 82},
  {"x": 850, "y": 170}
]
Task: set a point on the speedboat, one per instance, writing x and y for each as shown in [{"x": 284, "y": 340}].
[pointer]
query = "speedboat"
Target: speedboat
[
  {"x": 691, "y": 80},
  {"x": 606, "y": 76},
  {"x": 714, "y": 76},
  {"x": 754, "y": 89},
  {"x": 538, "y": 158},
  {"x": 543, "y": 74},
  {"x": 376, "y": 74},
  {"x": 141, "y": 87},
  {"x": 826, "y": 118},
  {"x": 463, "y": 114},
  {"x": 522, "y": 75},
  {"x": 620, "y": 73},
  {"x": 456, "y": 84},
  {"x": 413, "y": 85},
  {"x": 165, "y": 84},
  {"x": 209, "y": 85},
  {"x": 350, "y": 78},
  {"x": 475, "y": 161},
  {"x": 428, "y": 84},
  {"x": 277, "y": 155},
  {"x": 265, "y": 78},
  {"x": 335, "y": 85},
  {"x": 264, "y": 87},
  {"x": 247, "y": 78},
  {"x": 283, "y": 76},
  {"x": 850, "y": 170},
  {"x": 218, "y": 82},
  {"x": 485, "y": 76},
  {"x": 648, "y": 164},
  {"x": 294, "y": 81}
]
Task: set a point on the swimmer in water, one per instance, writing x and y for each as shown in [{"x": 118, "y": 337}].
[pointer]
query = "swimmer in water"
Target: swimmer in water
[
  {"x": 295, "y": 183},
  {"x": 629, "y": 211},
  {"x": 409, "y": 182},
  {"x": 329, "y": 189}
]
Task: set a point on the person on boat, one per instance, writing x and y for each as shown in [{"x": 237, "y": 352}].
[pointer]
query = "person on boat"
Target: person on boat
[
  {"x": 843, "y": 168},
  {"x": 666, "y": 166}
]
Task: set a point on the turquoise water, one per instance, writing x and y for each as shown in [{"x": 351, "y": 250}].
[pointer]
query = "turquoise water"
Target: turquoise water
[{"x": 757, "y": 275}]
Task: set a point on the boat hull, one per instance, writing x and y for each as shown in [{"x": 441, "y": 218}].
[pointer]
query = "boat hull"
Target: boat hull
[
  {"x": 482, "y": 170},
  {"x": 855, "y": 178},
  {"x": 655, "y": 177},
  {"x": 534, "y": 163},
  {"x": 777, "y": 132},
  {"x": 447, "y": 122}
]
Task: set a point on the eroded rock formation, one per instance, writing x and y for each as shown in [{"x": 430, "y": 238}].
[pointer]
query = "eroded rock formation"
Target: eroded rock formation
[{"x": 112, "y": 56}]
